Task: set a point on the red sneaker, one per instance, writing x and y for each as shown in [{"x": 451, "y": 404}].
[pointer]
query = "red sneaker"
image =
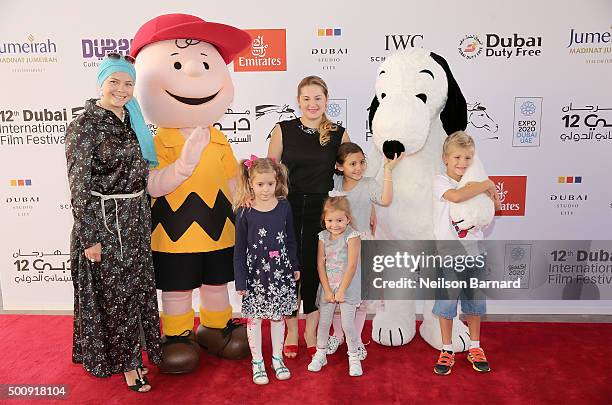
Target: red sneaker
[
  {"x": 478, "y": 359},
  {"x": 445, "y": 363}
]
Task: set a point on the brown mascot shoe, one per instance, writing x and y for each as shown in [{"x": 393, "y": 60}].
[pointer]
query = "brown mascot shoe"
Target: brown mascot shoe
[
  {"x": 229, "y": 343},
  {"x": 180, "y": 354}
]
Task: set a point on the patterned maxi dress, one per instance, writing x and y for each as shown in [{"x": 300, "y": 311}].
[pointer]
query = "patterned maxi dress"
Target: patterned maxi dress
[
  {"x": 265, "y": 257},
  {"x": 115, "y": 301}
]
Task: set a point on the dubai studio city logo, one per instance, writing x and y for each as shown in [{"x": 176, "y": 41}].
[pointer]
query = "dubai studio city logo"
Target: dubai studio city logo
[
  {"x": 527, "y": 121},
  {"x": 268, "y": 52},
  {"x": 500, "y": 46},
  {"x": 329, "y": 51},
  {"x": 569, "y": 198},
  {"x": 591, "y": 43},
  {"x": 29, "y": 55},
  {"x": 94, "y": 50},
  {"x": 19, "y": 197},
  {"x": 512, "y": 192}
]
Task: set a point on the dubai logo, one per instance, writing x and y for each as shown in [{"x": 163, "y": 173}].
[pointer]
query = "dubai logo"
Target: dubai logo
[
  {"x": 268, "y": 52},
  {"x": 470, "y": 46}
]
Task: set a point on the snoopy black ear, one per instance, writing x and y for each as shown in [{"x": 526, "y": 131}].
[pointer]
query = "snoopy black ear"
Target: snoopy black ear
[
  {"x": 372, "y": 110},
  {"x": 454, "y": 114}
]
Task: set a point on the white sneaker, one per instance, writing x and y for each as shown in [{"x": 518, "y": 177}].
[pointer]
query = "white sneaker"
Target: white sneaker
[
  {"x": 362, "y": 352},
  {"x": 333, "y": 343},
  {"x": 318, "y": 360},
  {"x": 354, "y": 365}
]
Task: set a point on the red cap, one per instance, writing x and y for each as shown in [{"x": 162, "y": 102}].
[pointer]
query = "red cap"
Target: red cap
[{"x": 228, "y": 40}]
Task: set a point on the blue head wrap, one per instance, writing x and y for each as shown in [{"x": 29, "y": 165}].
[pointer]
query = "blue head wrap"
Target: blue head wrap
[{"x": 110, "y": 66}]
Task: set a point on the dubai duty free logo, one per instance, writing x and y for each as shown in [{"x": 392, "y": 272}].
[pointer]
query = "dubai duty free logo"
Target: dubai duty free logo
[{"x": 470, "y": 46}]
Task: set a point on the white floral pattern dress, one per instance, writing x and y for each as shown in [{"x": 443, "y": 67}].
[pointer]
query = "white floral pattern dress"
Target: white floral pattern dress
[{"x": 265, "y": 257}]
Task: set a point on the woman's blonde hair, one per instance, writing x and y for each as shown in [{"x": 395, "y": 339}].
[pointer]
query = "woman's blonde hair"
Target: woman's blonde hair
[
  {"x": 458, "y": 139},
  {"x": 257, "y": 166},
  {"x": 326, "y": 126},
  {"x": 336, "y": 204}
]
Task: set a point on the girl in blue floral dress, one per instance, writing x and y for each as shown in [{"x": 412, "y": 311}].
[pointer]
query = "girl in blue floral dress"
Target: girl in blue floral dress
[{"x": 265, "y": 258}]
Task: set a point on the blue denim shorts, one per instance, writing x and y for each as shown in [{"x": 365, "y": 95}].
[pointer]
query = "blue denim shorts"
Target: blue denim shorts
[{"x": 472, "y": 302}]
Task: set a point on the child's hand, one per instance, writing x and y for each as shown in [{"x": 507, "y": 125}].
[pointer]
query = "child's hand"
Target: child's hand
[
  {"x": 339, "y": 296},
  {"x": 241, "y": 292},
  {"x": 491, "y": 189},
  {"x": 390, "y": 164},
  {"x": 497, "y": 202},
  {"x": 296, "y": 275},
  {"x": 329, "y": 296}
]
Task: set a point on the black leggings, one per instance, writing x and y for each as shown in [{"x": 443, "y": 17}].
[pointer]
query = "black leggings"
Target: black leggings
[{"x": 307, "y": 210}]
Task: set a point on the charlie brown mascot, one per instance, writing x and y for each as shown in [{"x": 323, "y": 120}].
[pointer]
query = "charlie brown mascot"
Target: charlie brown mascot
[{"x": 184, "y": 86}]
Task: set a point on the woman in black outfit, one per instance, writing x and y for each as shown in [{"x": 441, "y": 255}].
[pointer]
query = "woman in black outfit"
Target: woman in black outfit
[{"x": 307, "y": 146}]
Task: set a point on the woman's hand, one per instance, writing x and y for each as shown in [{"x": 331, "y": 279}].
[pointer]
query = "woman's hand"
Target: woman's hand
[
  {"x": 94, "y": 253},
  {"x": 296, "y": 275}
]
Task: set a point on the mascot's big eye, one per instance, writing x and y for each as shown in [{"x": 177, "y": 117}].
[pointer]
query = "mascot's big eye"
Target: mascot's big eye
[
  {"x": 423, "y": 97},
  {"x": 383, "y": 95},
  {"x": 177, "y": 65},
  {"x": 206, "y": 66}
]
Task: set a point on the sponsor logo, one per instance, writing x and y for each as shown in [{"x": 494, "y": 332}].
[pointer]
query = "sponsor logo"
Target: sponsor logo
[
  {"x": 332, "y": 53},
  {"x": 596, "y": 46},
  {"x": 267, "y": 115},
  {"x": 268, "y": 52},
  {"x": 480, "y": 119},
  {"x": 512, "y": 194},
  {"x": 586, "y": 124},
  {"x": 569, "y": 179},
  {"x": 26, "y": 126},
  {"x": 29, "y": 55},
  {"x": 567, "y": 203},
  {"x": 94, "y": 50},
  {"x": 329, "y": 32},
  {"x": 19, "y": 197},
  {"x": 336, "y": 111},
  {"x": 517, "y": 264},
  {"x": 527, "y": 121},
  {"x": 470, "y": 46},
  {"x": 20, "y": 182},
  {"x": 397, "y": 42},
  {"x": 500, "y": 46}
]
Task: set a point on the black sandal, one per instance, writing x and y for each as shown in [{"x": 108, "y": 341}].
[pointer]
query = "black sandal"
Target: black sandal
[{"x": 140, "y": 382}]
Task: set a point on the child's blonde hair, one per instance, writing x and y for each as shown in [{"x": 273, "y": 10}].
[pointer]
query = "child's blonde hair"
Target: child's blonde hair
[
  {"x": 458, "y": 139},
  {"x": 336, "y": 204},
  {"x": 248, "y": 169}
]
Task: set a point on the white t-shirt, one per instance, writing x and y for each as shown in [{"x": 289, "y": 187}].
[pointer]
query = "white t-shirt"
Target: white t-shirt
[{"x": 443, "y": 227}]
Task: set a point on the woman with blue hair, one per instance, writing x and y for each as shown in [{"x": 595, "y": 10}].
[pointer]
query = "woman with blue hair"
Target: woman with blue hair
[{"x": 109, "y": 150}]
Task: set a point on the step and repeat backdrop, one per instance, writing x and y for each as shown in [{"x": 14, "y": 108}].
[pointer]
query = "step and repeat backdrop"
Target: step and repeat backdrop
[{"x": 536, "y": 76}]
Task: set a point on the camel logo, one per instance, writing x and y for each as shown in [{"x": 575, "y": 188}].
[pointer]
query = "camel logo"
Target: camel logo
[
  {"x": 479, "y": 118},
  {"x": 270, "y": 114},
  {"x": 268, "y": 52},
  {"x": 511, "y": 191}
]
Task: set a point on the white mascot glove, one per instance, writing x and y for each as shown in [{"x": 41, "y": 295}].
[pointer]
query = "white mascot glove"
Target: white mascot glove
[
  {"x": 166, "y": 180},
  {"x": 430, "y": 330}
]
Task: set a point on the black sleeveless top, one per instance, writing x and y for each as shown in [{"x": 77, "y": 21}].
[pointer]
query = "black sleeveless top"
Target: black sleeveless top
[{"x": 311, "y": 166}]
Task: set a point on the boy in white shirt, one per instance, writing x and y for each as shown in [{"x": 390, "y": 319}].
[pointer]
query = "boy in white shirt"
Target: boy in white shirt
[{"x": 458, "y": 151}]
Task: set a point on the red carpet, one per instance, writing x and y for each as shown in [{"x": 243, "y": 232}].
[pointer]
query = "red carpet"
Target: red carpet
[{"x": 535, "y": 363}]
